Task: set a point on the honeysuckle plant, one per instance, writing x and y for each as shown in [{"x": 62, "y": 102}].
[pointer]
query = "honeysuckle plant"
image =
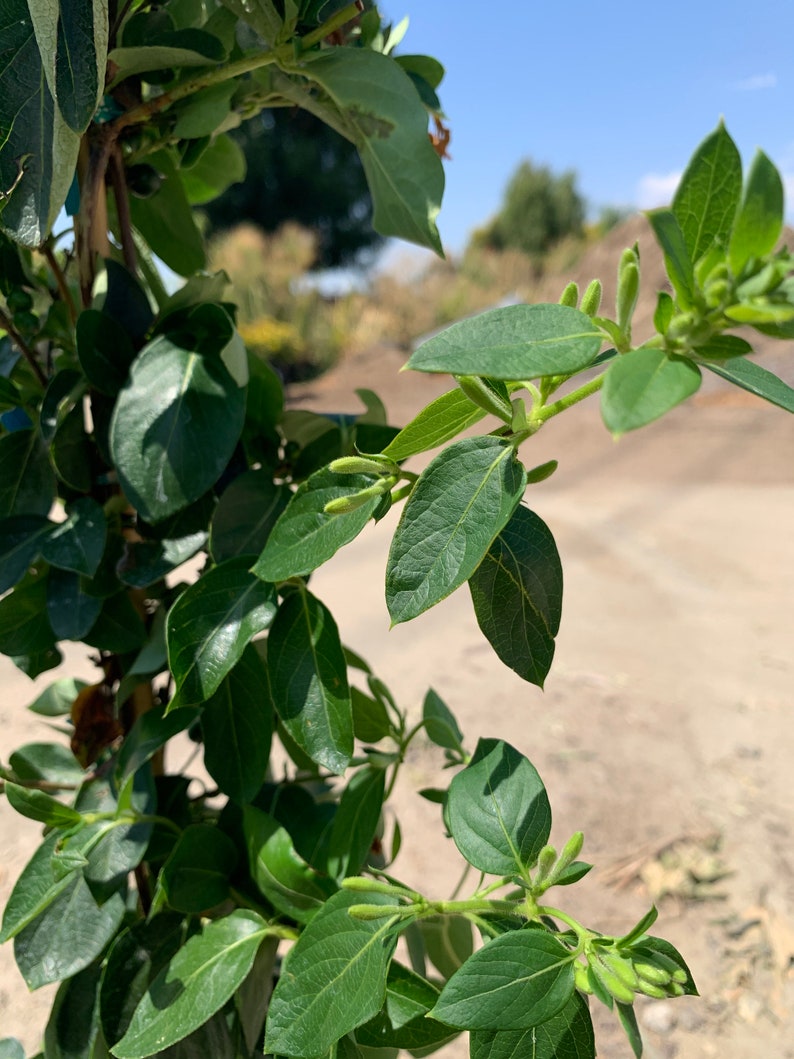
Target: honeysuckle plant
[{"x": 261, "y": 915}]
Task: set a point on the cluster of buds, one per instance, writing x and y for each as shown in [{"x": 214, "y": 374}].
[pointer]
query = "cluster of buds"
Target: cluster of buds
[{"x": 611, "y": 973}]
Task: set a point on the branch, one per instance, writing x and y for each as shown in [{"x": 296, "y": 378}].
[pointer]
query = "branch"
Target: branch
[
  {"x": 60, "y": 279},
  {"x": 119, "y": 185},
  {"x": 27, "y": 352}
]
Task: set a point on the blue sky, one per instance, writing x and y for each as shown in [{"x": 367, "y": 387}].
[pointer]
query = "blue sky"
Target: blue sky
[{"x": 620, "y": 92}]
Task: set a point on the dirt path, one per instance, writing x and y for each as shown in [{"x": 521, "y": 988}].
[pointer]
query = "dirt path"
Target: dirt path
[{"x": 665, "y": 731}]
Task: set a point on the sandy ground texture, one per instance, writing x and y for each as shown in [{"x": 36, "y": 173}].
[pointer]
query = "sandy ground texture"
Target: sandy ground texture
[{"x": 665, "y": 730}]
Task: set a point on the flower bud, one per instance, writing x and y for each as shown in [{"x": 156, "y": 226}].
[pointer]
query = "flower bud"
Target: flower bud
[
  {"x": 591, "y": 299},
  {"x": 570, "y": 296}
]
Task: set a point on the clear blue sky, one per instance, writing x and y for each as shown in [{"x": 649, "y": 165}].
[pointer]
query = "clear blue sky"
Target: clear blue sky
[{"x": 621, "y": 92}]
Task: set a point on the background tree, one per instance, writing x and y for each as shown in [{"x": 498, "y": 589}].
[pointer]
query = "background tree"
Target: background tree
[
  {"x": 539, "y": 209},
  {"x": 298, "y": 169}
]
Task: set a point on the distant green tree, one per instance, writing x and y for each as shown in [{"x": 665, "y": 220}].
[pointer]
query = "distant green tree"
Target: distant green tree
[
  {"x": 300, "y": 170},
  {"x": 538, "y": 209}
]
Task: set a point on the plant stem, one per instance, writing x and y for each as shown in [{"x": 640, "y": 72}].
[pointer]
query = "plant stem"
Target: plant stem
[
  {"x": 572, "y": 398},
  {"x": 60, "y": 279},
  {"x": 27, "y": 352},
  {"x": 119, "y": 185}
]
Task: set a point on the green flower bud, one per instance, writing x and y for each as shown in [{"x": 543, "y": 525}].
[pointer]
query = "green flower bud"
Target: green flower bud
[
  {"x": 570, "y": 296},
  {"x": 591, "y": 299},
  {"x": 652, "y": 972},
  {"x": 665, "y": 307},
  {"x": 611, "y": 982},
  {"x": 541, "y": 472},
  {"x": 343, "y": 505},
  {"x": 628, "y": 292},
  {"x": 362, "y": 465},
  {"x": 649, "y": 989},
  {"x": 546, "y": 861},
  {"x": 581, "y": 979},
  {"x": 369, "y": 912},
  {"x": 620, "y": 966},
  {"x": 485, "y": 397}
]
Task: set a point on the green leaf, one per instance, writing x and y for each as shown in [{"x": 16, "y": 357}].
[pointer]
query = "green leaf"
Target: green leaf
[
  {"x": 151, "y": 731},
  {"x": 708, "y": 195},
  {"x": 237, "y": 723},
  {"x": 195, "y": 984},
  {"x": 78, "y": 542},
  {"x": 73, "y": 1025},
  {"x": 677, "y": 259},
  {"x": 221, "y": 165},
  {"x": 628, "y": 1021},
  {"x": 72, "y": 36},
  {"x": 35, "y": 141},
  {"x": 10, "y": 397},
  {"x": 175, "y": 427},
  {"x": 21, "y": 537},
  {"x": 440, "y": 724},
  {"x": 721, "y": 347},
  {"x": 498, "y": 812},
  {"x": 71, "y": 611},
  {"x": 647, "y": 945},
  {"x": 760, "y": 219},
  {"x": 356, "y": 822},
  {"x": 462, "y": 501},
  {"x": 761, "y": 311},
  {"x": 448, "y": 941},
  {"x": 261, "y": 15},
  {"x": 517, "y": 595},
  {"x": 383, "y": 115},
  {"x": 308, "y": 680},
  {"x": 443, "y": 419},
  {"x": 370, "y": 720},
  {"x": 246, "y": 514},
  {"x": 196, "y": 875},
  {"x": 403, "y": 1022},
  {"x": 755, "y": 379},
  {"x": 305, "y": 536},
  {"x": 11, "y": 1048},
  {"x": 513, "y": 342},
  {"x": 70, "y": 451},
  {"x": 166, "y": 222},
  {"x": 644, "y": 384},
  {"x": 145, "y": 59},
  {"x": 105, "y": 351},
  {"x": 34, "y": 890},
  {"x": 514, "y": 982},
  {"x": 566, "y": 1035},
  {"x": 51, "y": 762},
  {"x": 119, "y": 627},
  {"x": 333, "y": 980},
  {"x": 136, "y": 957},
  {"x": 27, "y": 484},
  {"x": 68, "y": 935},
  {"x": 281, "y": 874},
  {"x": 210, "y": 625},
  {"x": 24, "y": 629},
  {"x": 57, "y": 699}
]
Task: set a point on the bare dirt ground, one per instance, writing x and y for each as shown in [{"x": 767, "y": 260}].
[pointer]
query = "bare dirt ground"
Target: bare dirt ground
[{"x": 666, "y": 730}]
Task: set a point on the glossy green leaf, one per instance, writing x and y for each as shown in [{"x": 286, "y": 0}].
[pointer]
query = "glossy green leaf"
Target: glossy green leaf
[
  {"x": 68, "y": 935},
  {"x": 195, "y": 877},
  {"x": 119, "y": 627},
  {"x": 57, "y": 699},
  {"x": 708, "y": 195},
  {"x": 403, "y": 1023},
  {"x": 72, "y": 36},
  {"x": 35, "y": 889},
  {"x": 462, "y": 501},
  {"x": 21, "y": 537},
  {"x": 105, "y": 351},
  {"x": 246, "y": 514},
  {"x": 151, "y": 731},
  {"x": 516, "y": 981},
  {"x": 126, "y": 302},
  {"x": 73, "y": 1025},
  {"x": 36, "y": 141},
  {"x": 27, "y": 484},
  {"x": 112, "y": 850},
  {"x": 11, "y": 1048},
  {"x": 78, "y": 542},
  {"x": 332, "y": 981},
  {"x": 146, "y": 562},
  {"x": 136, "y": 957},
  {"x": 308, "y": 680},
  {"x": 497, "y": 810},
  {"x": 448, "y": 941},
  {"x": 70, "y": 451},
  {"x": 644, "y": 384},
  {"x": 443, "y": 419},
  {"x": 677, "y": 259},
  {"x": 195, "y": 984},
  {"x": 760, "y": 218},
  {"x": 752, "y": 377},
  {"x": 281, "y": 874},
  {"x": 305, "y": 536},
  {"x": 166, "y": 222},
  {"x": 517, "y": 595},
  {"x": 356, "y": 822},
  {"x": 210, "y": 625},
  {"x": 175, "y": 427},
  {"x": 513, "y": 342},
  {"x": 221, "y": 165},
  {"x": 566, "y": 1035},
  {"x": 628, "y": 1020},
  {"x": 24, "y": 628},
  {"x": 237, "y": 724},
  {"x": 384, "y": 117},
  {"x": 72, "y": 613},
  {"x": 440, "y": 724}
]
